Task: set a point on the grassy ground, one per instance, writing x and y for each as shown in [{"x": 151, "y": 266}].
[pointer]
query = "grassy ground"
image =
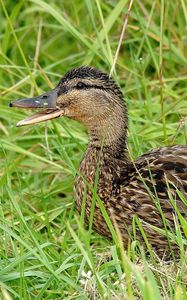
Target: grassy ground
[{"x": 44, "y": 251}]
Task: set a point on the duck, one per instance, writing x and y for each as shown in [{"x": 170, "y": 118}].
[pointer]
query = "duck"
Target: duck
[{"x": 145, "y": 189}]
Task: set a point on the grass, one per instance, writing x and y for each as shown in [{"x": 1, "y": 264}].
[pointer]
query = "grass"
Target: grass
[{"x": 45, "y": 252}]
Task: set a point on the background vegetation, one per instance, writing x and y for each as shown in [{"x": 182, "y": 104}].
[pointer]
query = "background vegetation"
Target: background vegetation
[{"x": 44, "y": 250}]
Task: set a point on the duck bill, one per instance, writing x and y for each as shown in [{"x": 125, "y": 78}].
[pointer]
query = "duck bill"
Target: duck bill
[
  {"x": 45, "y": 115},
  {"x": 48, "y": 101}
]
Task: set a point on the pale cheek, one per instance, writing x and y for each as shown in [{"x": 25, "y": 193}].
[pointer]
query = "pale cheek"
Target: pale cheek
[{"x": 75, "y": 112}]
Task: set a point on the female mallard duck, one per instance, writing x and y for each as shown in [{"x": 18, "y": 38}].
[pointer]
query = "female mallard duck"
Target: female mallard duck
[{"x": 126, "y": 188}]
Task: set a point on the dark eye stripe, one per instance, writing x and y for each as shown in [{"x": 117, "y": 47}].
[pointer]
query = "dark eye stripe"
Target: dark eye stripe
[{"x": 81, "y": 85}]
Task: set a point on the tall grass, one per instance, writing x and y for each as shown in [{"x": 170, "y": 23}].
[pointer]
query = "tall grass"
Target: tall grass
[{"x": 45, "y": 253}]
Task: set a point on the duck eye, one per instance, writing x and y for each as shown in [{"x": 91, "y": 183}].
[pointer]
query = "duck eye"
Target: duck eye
[{"x": 81, "y": 85}]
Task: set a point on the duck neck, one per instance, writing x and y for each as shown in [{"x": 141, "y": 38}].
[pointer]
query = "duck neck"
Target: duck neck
[
  {"x": 109, "y": 134},
  {"x": 107, "y": 153}
]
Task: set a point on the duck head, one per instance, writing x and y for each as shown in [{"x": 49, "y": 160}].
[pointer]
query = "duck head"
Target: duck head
[{"x": 84, "y": 94}]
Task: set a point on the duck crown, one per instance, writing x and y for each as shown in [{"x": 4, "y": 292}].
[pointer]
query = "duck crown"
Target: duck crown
[{"x": 87, "y": 77}]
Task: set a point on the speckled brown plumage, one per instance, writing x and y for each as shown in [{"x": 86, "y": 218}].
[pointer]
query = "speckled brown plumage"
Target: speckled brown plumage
[
  {"x": 131, "y": 189},
  {"x": 127, "y": 189}
]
